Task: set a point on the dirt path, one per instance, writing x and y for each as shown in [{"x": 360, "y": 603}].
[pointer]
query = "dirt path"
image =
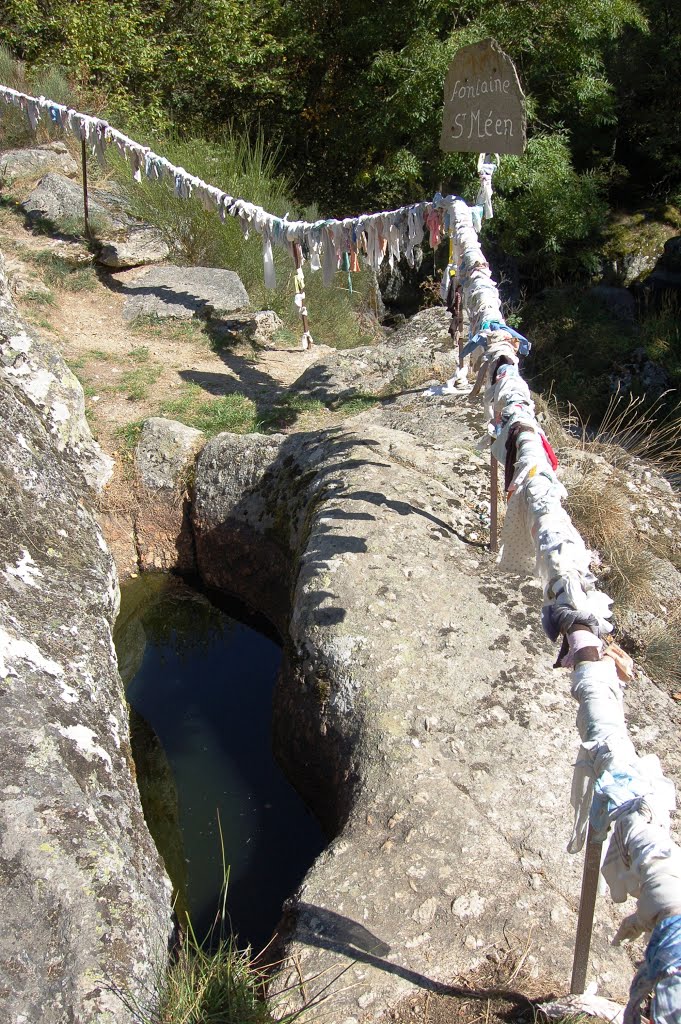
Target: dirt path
[{"x": 131, "y": 371}]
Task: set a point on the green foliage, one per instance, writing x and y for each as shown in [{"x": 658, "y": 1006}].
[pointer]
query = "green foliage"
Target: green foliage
[
  {"x": 575, "y": 345},
  {"x": 354, "y": 93},
  {"x": 645, "y": 70},
  {"x": 196, "y": 235},
  {"x": 546, "y": 214},
  {"x": 661, "y": 338},
  {"x": 15, "y": 129}
]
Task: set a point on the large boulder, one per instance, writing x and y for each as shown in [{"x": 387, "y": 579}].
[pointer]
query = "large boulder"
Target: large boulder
[
  {"x": 417, "y": 709},
  {"x": 18, "y": 164},
  {"x": 663, "y": 284},
  {"x": 123, "y": 240},
  {"x": 84, "y": 901},
  {"x": 634, "y": 242},
  {"x": 183, "y": 293},
  {"x": 59, "y": 202},
  {"x": 421, "y": 350}
]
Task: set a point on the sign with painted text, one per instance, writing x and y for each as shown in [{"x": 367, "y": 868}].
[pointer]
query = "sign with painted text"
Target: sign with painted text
[{"x": 484, "y": 104}]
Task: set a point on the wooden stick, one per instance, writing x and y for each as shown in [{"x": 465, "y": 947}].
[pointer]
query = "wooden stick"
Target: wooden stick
[
  {"x": 493, "y": 504},
  {"x": 458, "y": 306},
  {"x": 299, "y": 262},
  {"x": 585, "y": 921},
  {"x": 83, "y": 156}
]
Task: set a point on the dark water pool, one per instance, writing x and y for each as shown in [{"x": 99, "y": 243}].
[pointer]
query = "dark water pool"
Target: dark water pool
[{"x": 199, "y": 682}]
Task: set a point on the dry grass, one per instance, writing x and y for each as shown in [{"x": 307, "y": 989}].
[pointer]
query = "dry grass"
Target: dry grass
[
  {"x": 599, "y": 507},
  {"x": 632, "y": 427},
  {"x": 630, "y": 574},
  {"x": 598, "y": 504},
  {"x": 662, "y": 650}
]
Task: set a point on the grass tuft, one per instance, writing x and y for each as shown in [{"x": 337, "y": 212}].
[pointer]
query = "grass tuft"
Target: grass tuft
[
  {"x": 128, "y": 436},
  {"x": 137, "y": 383},
  {"x": 662, "y": 650},
  {"x": 233, "y": 413},
  {"x": 598, "y": 508},
  {"x": 633, "y": 427},
  {"x": 60, "y": 272},
  {"x": 39, "y": 297},
  {"x": 218, "y": 985}
]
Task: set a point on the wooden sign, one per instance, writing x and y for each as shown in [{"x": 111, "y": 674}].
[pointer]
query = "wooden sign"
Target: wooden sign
[{"x": 484, "y": 104}]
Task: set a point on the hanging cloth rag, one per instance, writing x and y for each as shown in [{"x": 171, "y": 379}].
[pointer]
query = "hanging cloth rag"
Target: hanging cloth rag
[
  {"x": 486, "y": 169},
  {"x": 659, "y": 976},
  {"x": 329, "y": 257},
  {"x": 268, "y": 258}
]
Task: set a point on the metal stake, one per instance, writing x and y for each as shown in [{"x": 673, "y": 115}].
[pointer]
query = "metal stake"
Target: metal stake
[
  {"x": 83, "y": 156},
  {"x": 493, "y": 503},
  {"x": 585, "y": 921}
]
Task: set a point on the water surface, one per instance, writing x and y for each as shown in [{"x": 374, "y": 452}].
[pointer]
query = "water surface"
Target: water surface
[{"x": 202, "y": 681}]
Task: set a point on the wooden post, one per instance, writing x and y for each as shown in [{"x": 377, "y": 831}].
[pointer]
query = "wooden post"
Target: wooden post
[
  {"x": 86, "y": 212},
  {"x": 458, "y": 314},
  {"x": 585, "y": 921},
  {"x": 493, "y": 504}
]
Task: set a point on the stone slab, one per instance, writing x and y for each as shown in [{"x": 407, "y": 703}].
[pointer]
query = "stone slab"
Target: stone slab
[
  {"x": 141, "y": 245},
  {"x": 183, "y": 293}
]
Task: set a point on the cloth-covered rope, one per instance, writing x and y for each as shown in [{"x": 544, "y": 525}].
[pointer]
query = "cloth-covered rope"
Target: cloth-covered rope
[
  {"x": 626, "y": 798},
  {"x": 329, "y": 244}
]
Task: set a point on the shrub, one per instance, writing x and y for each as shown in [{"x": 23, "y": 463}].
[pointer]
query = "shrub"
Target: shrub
[{"x": 49, "y": 80}]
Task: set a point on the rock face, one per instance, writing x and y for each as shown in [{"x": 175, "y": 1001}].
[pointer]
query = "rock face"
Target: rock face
[
  {"x": 401, "y": 286},
  {"x": 417, "y": 711},
  {"x": 633, "y": 245},
  {"x": 664, "y": 282},
  {"x": 16, "y": 164},
  {"x": 236, "y": 479},
  {"x": 164, "y": 460},
  {"x": 84, "y": 901},
  {"x": 419, "y": 351},
  {"x": 164, "y": 449},
  {"x": 38, "y": 373},
  {"x": 183, "y": 293}
]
